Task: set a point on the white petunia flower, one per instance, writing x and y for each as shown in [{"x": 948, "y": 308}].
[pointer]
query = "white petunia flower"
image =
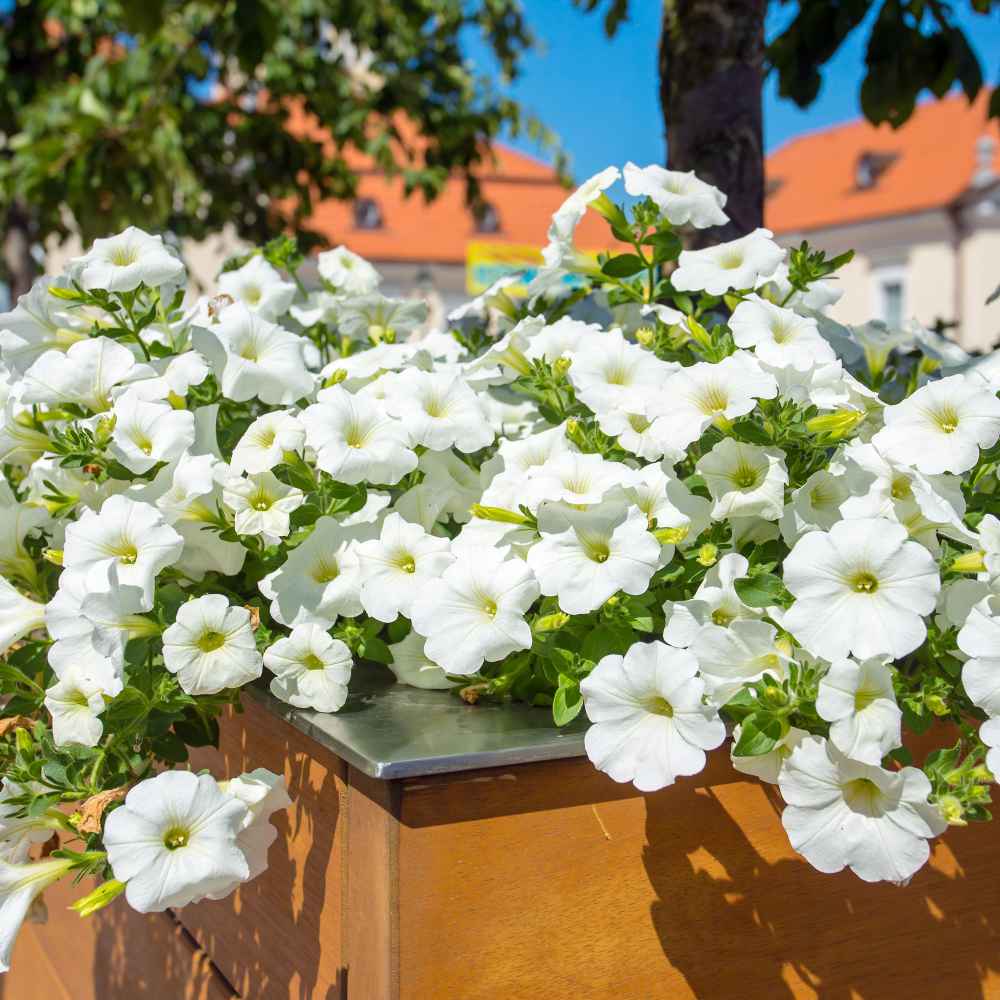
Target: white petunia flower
[
  {"x": 211, "y": 646},
  {"x": 989, "y": 733},
  {"x": 745, "y": 480},
  {"x": 321, "y": 578},
  {"x": 573, "y": 478},
  {"x": 263, "y": 505},
  {"x": 649, "y": 723},
  {"x": 254, "y": 358},
  {"x": 375, "y": 317},
  {"x": 979, "y": 639},
  {"x": 91, "y": 626},
  {"x": 39, "y": 322},
  {"x": 75, "y": 703},
  {"x": 585, "y": 556},
  {"x": 20, "y": 886},
  {"x": 715, "y": 602},
  {"x": 779, "y": 337},
  {"x": 17, "y": 522},
  {"x": 263, "y": 793},
  {"x": 19, "y": 832},
  {"x": 842, "y": 813},
  {"x": 563, "y": 338},
  {"x": 397, "y": 566},
  {"x": 259, "y": 287},
  {"x": 923, "y": 504},
  {"x": 129, "y": 536},
  {"x": 474, "y": 612},
  {"x": 412, "y": 666},
  {"x": 356, "y": 440},
  {"x": 738, "y": 264},
  {"x": 859, "y": 701},
  {"x": 816, "y": 504},
  {"x": 608, "y": 372},
  {"x": 348, "y": 273},
  {"x": 121, "y": 263},
  {"x": 190, "y": 505},
  {"x": 682, "y": 197},
  {"x": 266, "y": 441},
  {"x": 311, "y": 669},
  {"x": 567, "y": 217},
  {"x": 766, "y": 766},
  {"x": 639, "y": 435},
  {"x": 363, "y": 367},
  {"x": 695, "y": 397},
  {"x": 438, "y": 410},
  {"x": 670, "y": 504},
  {"x": 737, "y": 654},
  {"x": 942, "y": 426},
  {"x": 18, "y": 615},
  {"x": 148, "y": 433},
  {"x": 174, "y": 841},
  {"x": 860, "y": 588},
  {"x": 85, "y": 374}
]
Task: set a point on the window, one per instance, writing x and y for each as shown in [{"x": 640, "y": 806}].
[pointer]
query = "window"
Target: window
[
  {"x": 487, "y": 219},
  {"x": 890, "y": 295},
  {"x": 367, "y": 214},
  {"x": 869, "y": 167}
]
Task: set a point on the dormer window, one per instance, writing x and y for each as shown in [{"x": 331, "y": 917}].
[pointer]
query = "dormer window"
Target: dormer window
[
  {"x": 487, "y": 218},
  {"x": 869, "y": 167},
  {"x": 367, "y": 214}
]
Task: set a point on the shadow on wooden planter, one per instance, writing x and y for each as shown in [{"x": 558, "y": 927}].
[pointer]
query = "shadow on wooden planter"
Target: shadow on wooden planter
[{"x": 540, "y": 881}]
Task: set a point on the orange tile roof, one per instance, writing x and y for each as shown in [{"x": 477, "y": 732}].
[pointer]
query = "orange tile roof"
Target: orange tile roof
[
  {"x": 523, "y": 191},
  {"x": 933, "y": 159}
]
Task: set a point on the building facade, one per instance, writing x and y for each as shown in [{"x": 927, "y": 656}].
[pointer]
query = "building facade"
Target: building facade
[{"x": 920, "y": 207}]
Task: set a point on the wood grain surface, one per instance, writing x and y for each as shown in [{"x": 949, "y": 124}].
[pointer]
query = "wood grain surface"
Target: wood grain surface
[{"x": 544, "y": 881}]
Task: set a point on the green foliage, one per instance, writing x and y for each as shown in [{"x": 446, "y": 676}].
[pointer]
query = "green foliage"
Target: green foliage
[
  {"x": 177, "y": 113},
  {"x": 914, "y": 45}
]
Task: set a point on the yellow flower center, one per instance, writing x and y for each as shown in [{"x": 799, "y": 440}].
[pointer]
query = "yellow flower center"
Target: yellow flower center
[
  {"x": 863, "y": 698},
  {"x": 124, "y": 256},
  {"x": 210, "y": 641},
  {"x": 325, "y": 571},
  {"x": 312, "y": 662},
  {"x": 864, "y": 582},
  {"x": 658, "y": 705},
  {"x": 175, "y": 837},
  {"x": 946, "y": 418}
]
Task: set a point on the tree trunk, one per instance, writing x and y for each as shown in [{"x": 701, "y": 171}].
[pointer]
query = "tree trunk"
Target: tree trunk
[
  {"x": 711, "y": 79},
  {"x": 19, "y": 264}
]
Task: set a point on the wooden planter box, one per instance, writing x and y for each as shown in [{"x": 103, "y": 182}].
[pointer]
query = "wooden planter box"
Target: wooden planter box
[{"x": 541, "y": 880}]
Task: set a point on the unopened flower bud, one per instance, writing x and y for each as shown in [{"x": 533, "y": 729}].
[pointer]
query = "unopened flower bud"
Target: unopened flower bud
[
  {"x": 982, "y": 773},
  {"x": 951, "y": 810},
  {"x": 672, "y": 536},
  {"x": 105, "y": 893},
  {"x": 572, "y": 426},
  {"x": 645, "y": 336},
  {"x": 708, "y": 554},
  {"x": 500, "y": 514},
  {"x": 335, "y": 377},
  {"x": 698, "y": 333},
  {"x": 54, "y": 556},
  {"x": 838, "y": 424},
  {"x": 551, "y": 623},
  {"x": 562, "y": 365},
  {"x": 937, "y": 704},
  {"x": 613, "y": 601},
  {"x": 970, "y": 562}
]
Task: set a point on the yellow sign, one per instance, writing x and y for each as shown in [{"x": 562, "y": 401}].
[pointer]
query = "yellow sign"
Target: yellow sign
[{"x": 486, "y": 263}]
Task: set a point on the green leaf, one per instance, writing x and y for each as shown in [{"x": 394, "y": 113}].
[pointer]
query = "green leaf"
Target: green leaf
[
  {"x": 759, "y": 733},
  {"x": 666, "y": 244},
  {"x": 567, "y": 701},
  {"x": 624, "y": 265},
  {"x": 605, "y": 640},
  {"x": 761, "y": 590}
]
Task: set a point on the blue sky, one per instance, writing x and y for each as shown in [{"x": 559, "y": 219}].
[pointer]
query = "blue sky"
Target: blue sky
[{"x": 601, "y": 96}]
